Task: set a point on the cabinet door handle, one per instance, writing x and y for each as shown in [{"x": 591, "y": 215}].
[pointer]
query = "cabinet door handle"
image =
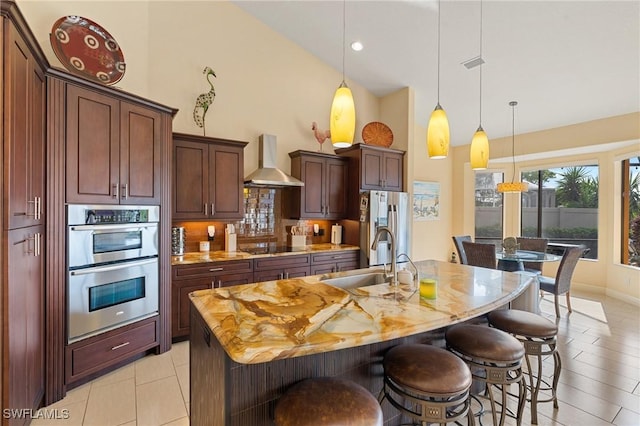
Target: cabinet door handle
[
  {"x": 38, "y": 208},
  {"x": 286, "y": 275},
  {"x": 36, "y": 250},
  {"x": 122, "y": 345},
  {"x": 213, "y": 209},
  {"x": 125, "y": 191},
  {"x": 213, "y": 284},
  {"x": 116, "y": 190},
  {"x": 280, "y": 276},
  {"x": 206, "y": 209},
  {"x": 216, "y": 269}
]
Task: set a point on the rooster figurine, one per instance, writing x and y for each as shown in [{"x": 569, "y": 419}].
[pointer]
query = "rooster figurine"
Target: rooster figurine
[
  {"x": 204, "y": 101},
  {"x": 321, "y": 135}
]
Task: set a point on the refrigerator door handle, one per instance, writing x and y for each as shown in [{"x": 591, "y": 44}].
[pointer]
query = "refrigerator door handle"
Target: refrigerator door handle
[{"x": 393, "y": 220}]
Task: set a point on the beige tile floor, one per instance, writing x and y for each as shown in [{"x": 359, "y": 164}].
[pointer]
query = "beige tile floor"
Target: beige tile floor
[{"x": 600, "y": 382}]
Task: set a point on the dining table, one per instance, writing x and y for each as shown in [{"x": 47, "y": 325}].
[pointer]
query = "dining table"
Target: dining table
[{"x": 514, "y": 262}]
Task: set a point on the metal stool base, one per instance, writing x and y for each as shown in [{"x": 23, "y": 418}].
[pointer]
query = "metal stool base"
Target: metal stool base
[
  {"x": 425, "y": 407},
  {"x": 499, "y": 375}
]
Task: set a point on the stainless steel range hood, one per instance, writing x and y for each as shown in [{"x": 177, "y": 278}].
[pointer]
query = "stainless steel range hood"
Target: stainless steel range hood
[{"x": 267, "y": 174}]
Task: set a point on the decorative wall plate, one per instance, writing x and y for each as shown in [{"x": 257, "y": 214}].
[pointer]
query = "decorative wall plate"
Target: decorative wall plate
[
  {"x": 87, "y": 49},
  {"x": 376, "y": 133}
]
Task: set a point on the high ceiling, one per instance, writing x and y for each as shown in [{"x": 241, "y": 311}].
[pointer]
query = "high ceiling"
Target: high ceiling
[{"x": 565, "y": 62}]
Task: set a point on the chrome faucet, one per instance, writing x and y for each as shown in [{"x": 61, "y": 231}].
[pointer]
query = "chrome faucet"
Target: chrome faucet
[{"x": 374, "y": 246}]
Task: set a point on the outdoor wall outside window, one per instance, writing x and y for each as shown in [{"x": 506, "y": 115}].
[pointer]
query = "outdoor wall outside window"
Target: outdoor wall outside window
[
  {"x": 631, "y": 211},
  {"x": 488, "y": 208},
  {"x": 562, "y": 205}
]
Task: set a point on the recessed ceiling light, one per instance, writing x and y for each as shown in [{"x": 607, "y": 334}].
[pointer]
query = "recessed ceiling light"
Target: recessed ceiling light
[{"x": 357, "y": 46}]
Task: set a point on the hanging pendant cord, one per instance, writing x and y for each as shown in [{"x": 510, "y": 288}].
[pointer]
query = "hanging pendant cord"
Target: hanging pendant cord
[
  {"x": 481, "y": 63},
  {"x": 439, "y": 52},
  {"x": 513, "y": 140},
  {"x": 344, "y": 30}
]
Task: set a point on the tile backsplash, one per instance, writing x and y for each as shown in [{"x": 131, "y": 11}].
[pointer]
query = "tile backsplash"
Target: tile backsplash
[{"x": 263, "y": 223}]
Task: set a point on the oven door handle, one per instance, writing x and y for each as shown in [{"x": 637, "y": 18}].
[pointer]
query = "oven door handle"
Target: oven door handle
[
  {"x": 113, "y": 227},
  {"x": 107, "y": 268}
]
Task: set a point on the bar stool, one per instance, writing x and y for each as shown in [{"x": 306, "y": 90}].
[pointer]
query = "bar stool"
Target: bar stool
[
  {"x": 538, "y": 335},
  {"x": 426, "y": 383},
  {"x": 495, "y": 359},
  {"x": 326, "y": 401}
]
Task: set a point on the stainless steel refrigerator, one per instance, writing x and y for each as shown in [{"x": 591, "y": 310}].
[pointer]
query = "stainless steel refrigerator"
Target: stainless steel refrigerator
[{"x": 384, "y": 208}]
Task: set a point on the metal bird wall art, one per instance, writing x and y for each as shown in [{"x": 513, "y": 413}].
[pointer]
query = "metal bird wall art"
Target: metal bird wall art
[{"x": 204, "y": 101}]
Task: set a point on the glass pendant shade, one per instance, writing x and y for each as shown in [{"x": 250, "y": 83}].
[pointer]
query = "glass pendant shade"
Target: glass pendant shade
[
  {"x": 513, "y": 187},
  {"x": 342, "y": 122},
  {"x": 438, "y": 134},
  {"x": 479, "y": 154}
]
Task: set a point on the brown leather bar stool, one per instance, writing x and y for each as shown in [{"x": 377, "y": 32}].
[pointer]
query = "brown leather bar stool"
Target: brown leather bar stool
[
  {"x": 426, "y": 383},
  {"x": 327, "y": 401},
  {"x": 538, "y": 335},
  {"x": 495, "y": 359}
]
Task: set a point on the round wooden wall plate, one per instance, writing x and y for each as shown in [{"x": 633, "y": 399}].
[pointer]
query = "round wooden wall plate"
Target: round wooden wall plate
[{"x": 378, "y": 134}]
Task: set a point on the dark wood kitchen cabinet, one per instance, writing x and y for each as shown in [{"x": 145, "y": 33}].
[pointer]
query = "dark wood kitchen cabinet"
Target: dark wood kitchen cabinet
[
  {"x": 104, "y": 146},
  {"x": 113, "y": 149},
  {"x": 24, "y": 132},
  {"x": 328, "y": 262},
  {"x": 208, "y": 178},
  {"x": 201, "y": 276},
  {"x": 89, "y": 357},
  {"x": 280, "y": 267},
  {"x": 374, "y": 168},
  {"x": 24, "y": 348},
  {"x": 22, "y": 207},
  {"x": 324, "y": 194}
]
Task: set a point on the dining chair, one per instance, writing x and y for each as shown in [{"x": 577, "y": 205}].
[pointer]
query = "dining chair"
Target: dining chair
[
  {"x": 561, "y": 284},
  {"x": 480, "y": 254},
  {"x": 533, "y": 244},
  {"x": 457, "y": 241}
]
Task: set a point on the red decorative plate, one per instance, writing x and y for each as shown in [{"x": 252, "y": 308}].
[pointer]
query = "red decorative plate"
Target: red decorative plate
[{"x": 87, "y": 49}]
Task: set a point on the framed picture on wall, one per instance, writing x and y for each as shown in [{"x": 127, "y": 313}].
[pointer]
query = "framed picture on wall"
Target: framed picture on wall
[{"x": 426, "y": 201}]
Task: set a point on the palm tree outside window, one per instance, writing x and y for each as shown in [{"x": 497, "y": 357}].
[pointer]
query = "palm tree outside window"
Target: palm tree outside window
[{"x": 562, "y": 205}]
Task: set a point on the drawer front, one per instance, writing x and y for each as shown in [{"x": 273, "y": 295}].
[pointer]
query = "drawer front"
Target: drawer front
[
  {"x": 334, "y": 257},
  {"x": 101, "y": 352},
  {"x": 280, "y": 274},
  {"x": 347, "y": 265},
  {"x": 213, "y": 268},
  {"x": 280, "y": 262}
]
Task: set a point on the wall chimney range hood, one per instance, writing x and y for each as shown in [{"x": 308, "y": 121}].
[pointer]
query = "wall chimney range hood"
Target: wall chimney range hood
[{"x": 267, "y": 174}]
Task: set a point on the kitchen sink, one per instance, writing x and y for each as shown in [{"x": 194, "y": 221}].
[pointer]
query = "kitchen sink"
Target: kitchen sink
[{"x": 355, "y": 281}]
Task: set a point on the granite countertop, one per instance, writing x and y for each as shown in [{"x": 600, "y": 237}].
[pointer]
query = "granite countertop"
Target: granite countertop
[
  {"x": 221, "y": 255},
  {"x": 272, "y": 320}
]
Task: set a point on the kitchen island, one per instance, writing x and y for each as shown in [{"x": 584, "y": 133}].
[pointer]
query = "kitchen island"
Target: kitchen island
[{"x": 250, "y": 343}]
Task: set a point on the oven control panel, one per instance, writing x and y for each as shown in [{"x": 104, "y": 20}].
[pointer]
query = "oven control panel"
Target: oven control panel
[
  {"x": 78, "y": 214},
  {"x": 116, "y": 216}
]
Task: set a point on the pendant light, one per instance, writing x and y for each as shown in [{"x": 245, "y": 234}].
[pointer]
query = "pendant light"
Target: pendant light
[
  {"x": 342, "y": 122},
  {"x": 438, "y": 129},
  {"x": 479, "y": 153},
  {"x": 513, "y": 186}
]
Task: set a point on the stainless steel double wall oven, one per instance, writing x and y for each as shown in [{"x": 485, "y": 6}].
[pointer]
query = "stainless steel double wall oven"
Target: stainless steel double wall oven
[{"x": 112, "y": 277}]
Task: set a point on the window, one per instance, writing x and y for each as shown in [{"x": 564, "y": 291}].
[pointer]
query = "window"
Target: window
[
  {"x": 488, "y": 208},
  {"x": 631, "y": 211},
  {"x": 562, "y": 205}
]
